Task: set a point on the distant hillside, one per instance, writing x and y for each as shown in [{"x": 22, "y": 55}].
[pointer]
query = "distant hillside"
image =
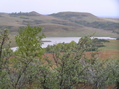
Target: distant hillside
[
  {"x": 61, "y": 24},
  {"x": 74, "y": 16},
  {"x": 89, "y": 20}
]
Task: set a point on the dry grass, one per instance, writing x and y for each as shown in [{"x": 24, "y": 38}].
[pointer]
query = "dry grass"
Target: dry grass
[
  {"x": 53, "y": 26},
  {"x": 106, "y": 54}
]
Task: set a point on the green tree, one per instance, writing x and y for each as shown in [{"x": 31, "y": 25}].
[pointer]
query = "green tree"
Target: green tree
[
  {"x": 25, "y": 66},
  {"x": 29, "y": 41},
  {"x": 113, "y": 67},
  {"x": 97, "y": 73},
  {"x": 5, "y": 54},
  {"x": 68, "y": 71}
]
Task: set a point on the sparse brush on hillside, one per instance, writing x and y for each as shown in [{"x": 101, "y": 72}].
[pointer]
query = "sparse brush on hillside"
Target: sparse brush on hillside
[{"x": 61, "y": 24}]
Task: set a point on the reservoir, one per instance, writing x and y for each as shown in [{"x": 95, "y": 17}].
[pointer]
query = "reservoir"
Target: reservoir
[{"x": 55, "y": 40}]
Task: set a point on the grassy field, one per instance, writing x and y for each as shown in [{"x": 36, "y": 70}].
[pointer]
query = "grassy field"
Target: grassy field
[
  {"x": 112, "y": 45},
  {"x": 111, "y": 50},
  {"x": 82, "y": 33}
]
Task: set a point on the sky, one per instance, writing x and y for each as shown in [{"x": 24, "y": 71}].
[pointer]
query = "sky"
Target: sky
[{"x": 100, "y": 8}]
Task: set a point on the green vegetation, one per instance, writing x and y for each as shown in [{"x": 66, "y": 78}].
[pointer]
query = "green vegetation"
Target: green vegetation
[
  {"x": 33, "y": 13},
  {"x": 93, "y": 45},
  {"x": 30, "y": 68},
  {"x": 117, "y": 39},
  {"x": 112, "y": 45}
]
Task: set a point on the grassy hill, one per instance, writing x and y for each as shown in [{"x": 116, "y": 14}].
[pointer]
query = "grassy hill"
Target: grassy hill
[
  {"x": 89, "y": 20},
  {"x": 61, "y": 24}
]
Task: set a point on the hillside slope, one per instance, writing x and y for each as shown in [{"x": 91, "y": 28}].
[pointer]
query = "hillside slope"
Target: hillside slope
[
  {"x": 89, "y": 20},
  {"x": 61, "y": 24}
]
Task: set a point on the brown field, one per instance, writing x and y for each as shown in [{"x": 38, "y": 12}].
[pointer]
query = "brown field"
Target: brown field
[
  {"x": 106, "y": 54},
  {"x": 109, "y": 54}
]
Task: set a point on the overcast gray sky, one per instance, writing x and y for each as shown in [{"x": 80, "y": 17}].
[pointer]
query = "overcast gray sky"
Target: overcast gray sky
[{"x": 101, "y": 8}]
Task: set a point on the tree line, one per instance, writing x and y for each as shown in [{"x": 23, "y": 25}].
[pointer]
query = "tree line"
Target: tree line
[{"x": 93, "y": 45}]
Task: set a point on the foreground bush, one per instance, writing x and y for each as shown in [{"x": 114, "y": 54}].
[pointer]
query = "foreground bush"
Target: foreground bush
[{"x": 30, "y": 68}]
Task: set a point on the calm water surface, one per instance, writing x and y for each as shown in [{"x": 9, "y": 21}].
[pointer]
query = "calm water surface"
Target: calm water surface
[{"x": 55, "y": 40}]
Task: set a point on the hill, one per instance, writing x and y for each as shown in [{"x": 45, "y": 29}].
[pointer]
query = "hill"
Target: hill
[
  {"x": 61, "y": 24},
  {"x": 89, "y": 20}
]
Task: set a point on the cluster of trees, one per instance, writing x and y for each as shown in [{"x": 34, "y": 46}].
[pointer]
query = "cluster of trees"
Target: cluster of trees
[
  {"x": 31, "y": 68},
  {"x": 93, "y": 45},
  {"x": 24, "y": 14}
]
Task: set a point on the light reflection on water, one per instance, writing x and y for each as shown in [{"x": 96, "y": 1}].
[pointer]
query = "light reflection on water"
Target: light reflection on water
[{"x": 55, "y": 40}]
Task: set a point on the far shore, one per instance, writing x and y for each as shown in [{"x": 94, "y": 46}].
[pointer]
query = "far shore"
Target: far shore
[{"x": 54, "y": 40}]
